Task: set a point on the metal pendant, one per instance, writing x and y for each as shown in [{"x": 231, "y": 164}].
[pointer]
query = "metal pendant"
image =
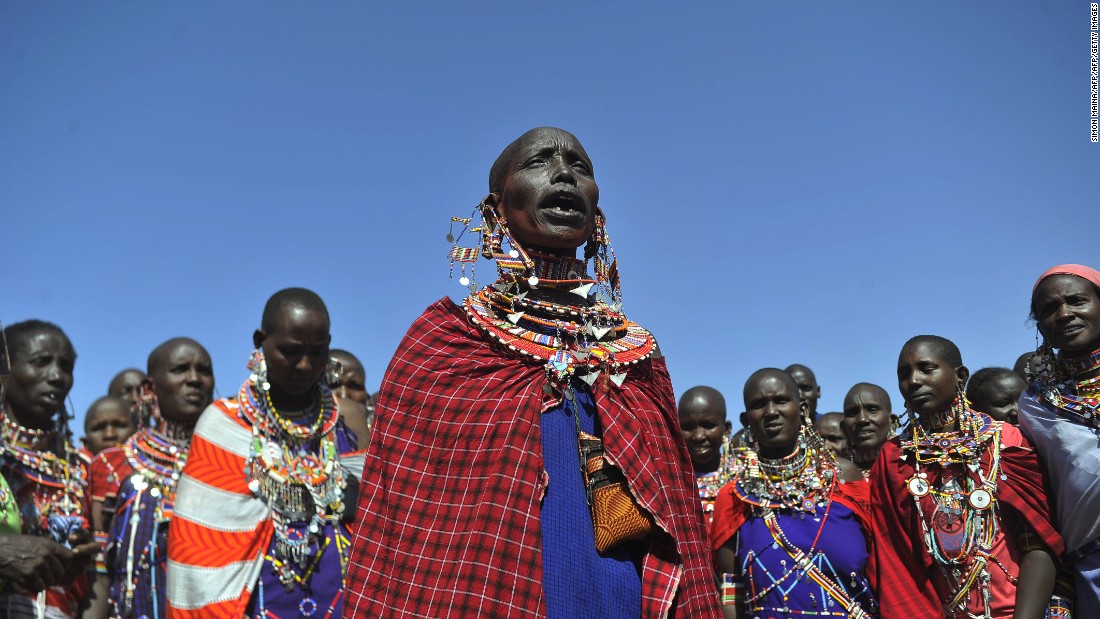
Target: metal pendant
[
  {"x": 981, "y": 499},
  {"x": 918, "y": 487}
]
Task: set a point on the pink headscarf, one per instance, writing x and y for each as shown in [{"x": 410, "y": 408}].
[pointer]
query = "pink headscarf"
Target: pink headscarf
[{"x": 1079, "y": 270}]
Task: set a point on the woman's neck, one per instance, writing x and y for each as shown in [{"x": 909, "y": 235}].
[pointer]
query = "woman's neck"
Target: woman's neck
[
  {"x": 26, "y": 437},
  {"x": 292, "y": 405},
  {"x": 1083, "y": 365},
  {"x": 786, "y": 452},
  {"x": 176, "y": 431}
]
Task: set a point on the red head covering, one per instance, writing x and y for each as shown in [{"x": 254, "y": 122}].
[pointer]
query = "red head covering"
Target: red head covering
[{"x": 1079, "y": 270}]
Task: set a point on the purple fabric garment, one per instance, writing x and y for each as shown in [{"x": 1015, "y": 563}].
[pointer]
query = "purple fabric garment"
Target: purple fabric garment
[
  {"x": 840, "y": 553},
  {"x": 322, "y": 595},
  {"x": 149, "y": 548}
]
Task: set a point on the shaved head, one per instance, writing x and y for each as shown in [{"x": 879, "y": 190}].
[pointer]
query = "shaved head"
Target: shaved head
[
  {"x": 287, "y": 299},
  {"x": 759, "y": 376},
  {"x": 943, "y": 346},
  {"x": 703, "y": 397},
  {"x": 160, "y": 355},
  {"x": 499, "y": 171}
]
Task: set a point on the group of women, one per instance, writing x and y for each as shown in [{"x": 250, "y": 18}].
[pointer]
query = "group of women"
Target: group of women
[
  {"x": 960, "y": 516},
  {"x": 527, "y": 460}
]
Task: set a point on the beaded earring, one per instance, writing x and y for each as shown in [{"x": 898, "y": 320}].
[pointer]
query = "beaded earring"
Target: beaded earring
[
  {"x": 1043, "y": 365},
  {"x": 333, "y": 370},
  {"x": 258, "y": 368},
  {"x": 749, "y": 440},
  {"x": 605, "y": 263},
  {"x": 513, "y": 264},
  {"x": 147, "y": 407}
]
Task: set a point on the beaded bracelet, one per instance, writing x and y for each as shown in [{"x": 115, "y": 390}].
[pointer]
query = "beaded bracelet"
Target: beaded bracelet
[{"x": 733, "y": 591}]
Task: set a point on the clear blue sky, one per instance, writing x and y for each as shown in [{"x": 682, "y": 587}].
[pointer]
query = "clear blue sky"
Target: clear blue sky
[{"x": 784, "y": 181}]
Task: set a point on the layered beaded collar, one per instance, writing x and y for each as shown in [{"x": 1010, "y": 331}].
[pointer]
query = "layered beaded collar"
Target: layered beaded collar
[
  {"x": 801, "y": 481},
  {"x": 1071, "y": 385},
  {"x": 585, "y": 339},
  {"x": 26, "y": 438}
]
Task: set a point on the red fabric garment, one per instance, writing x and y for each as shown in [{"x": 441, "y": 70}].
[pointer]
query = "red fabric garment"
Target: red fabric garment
[
  {"x": 730, "y": 512},
  {"x": 900, "y": 567},
  {"x": 450, "y": 499},
  {"x": 108, "y": 469}
]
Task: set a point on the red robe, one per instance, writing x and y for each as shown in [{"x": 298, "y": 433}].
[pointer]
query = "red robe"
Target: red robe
[
  {"x": 448, "y": 521},
  {"x": 900, "y": 568}
]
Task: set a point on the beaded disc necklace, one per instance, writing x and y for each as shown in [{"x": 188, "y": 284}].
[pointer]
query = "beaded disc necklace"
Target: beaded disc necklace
[
  {"x": 965, "y": 491},
  {"x": 708, "y": 484},
  {"x": 295, "y": 469}
]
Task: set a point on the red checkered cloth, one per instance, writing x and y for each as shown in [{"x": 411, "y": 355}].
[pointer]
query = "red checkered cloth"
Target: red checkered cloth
[
  {"x": 900, "y": 568},
  {"x": 450, "y": 500}
]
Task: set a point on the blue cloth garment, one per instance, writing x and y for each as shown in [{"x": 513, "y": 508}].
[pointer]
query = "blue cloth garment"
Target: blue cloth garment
[{"x": 576, "y": 579}]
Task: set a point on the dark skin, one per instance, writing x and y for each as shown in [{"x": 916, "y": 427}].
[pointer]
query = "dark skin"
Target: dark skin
[
  {"x": 1067, "y": 312},
  {"x": 41, "y": 377},
  {"x": 773, "y": 413},
  {"x": 548, "y": 197},
  {"x": 127, "y": 385},
  {"x": 999, "y": 398},
  {"x": 867, "y": 416},
  {"x": 929, "y": 384},
  {"x": 808, "y": 388},
  {"x": 352, "y": 390},
  {"x": 182, "y": 377},
  {"x": 297, "y": 351},
  {"x": 704, "y": 427},
  {"x": 829, "y": 429},
  {"x": 107, "y": 423}
]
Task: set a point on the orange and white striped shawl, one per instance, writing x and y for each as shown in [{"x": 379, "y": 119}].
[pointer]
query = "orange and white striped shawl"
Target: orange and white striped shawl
[{"x": 220, "y": 529}]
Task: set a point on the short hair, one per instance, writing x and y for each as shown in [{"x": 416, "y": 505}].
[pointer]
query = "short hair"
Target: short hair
[
  {"x": 287, "y": 298},
  {"x": 776, "y": 372},
  {"x": 985, "y": 376},
  {"x": 945, "y": 347},
  {"x": 113, "y": 399},
  {"x": 872, "y": 387},
  {"x": 709, "y": 394},
  {"x": 340, "y": 352},
  {"x": 828, "y": 417},
  {"x": 499, "y": 171},
  {"x": 157, "y": 356},
  {"x": 16, "y": 336}
]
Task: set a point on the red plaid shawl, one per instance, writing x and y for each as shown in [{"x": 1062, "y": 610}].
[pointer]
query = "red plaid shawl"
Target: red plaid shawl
[
  {"x": 900, "y": 568},
  {"x": 448, "y": 522}
]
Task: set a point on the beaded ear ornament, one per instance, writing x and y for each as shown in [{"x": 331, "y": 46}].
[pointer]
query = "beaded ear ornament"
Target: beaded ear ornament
[
  {"x": 493, "y": 236},
  {"x": 516, "y": 265}
]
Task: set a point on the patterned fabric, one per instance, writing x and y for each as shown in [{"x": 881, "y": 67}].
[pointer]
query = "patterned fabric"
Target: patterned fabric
[
  {"x": 837, "y": 533},
  {"x": 901, "y": 569},
  {"x": 62, "y": 601},
  {"x": 135, "y": 560},
  {"x": 449, "y": 504},
  {"x": 220, "y": 530}
]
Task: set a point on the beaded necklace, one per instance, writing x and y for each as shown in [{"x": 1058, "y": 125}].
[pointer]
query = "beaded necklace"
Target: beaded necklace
[
  {"x": 708, "y": 484},
  {"x": 49, "y": 488},
  {"x": 1078, "y": 399},
  {"x": 582, "y": 340},
  {"x": 157, "y": 457},
  {"x": 962, "y": 558},
  {"x": 295, "y": 469},
  {"x": 801, "y": 481},
  {"x": 798, "y": 483}
]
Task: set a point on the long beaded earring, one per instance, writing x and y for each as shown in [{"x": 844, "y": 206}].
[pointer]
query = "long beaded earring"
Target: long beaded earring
[
  {"x": 148, "y": 407},
  {"x": 258, "y": 368},
  {"x": 605, "y": 263}
]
